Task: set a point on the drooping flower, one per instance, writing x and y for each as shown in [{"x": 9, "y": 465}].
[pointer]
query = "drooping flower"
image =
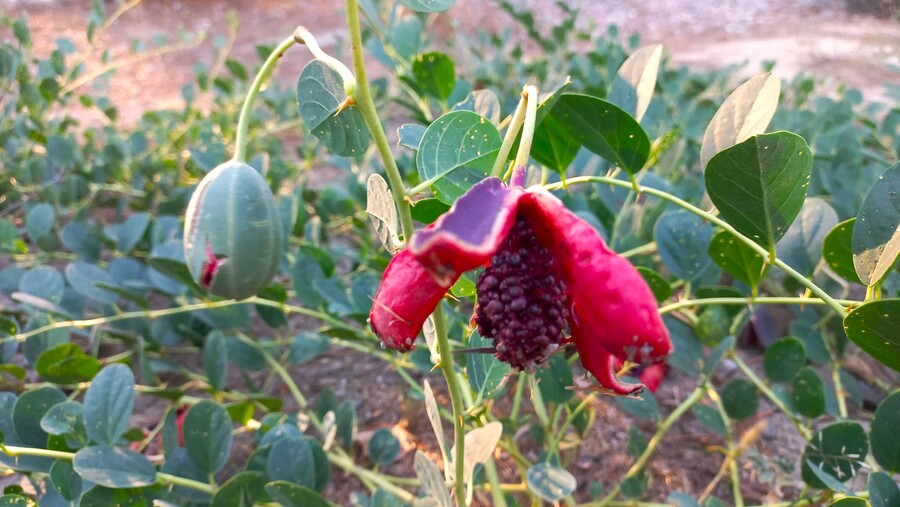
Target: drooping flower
[{"x": 545, "y": 270}]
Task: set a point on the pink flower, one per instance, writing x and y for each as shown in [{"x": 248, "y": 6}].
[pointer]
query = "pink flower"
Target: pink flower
[{"x": 545, "y": 270}]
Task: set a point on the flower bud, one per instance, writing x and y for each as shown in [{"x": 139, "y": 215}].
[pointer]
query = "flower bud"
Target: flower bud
[{"x": 232, "y": 232}]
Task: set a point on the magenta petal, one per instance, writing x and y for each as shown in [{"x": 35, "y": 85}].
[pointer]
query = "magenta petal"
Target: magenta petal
[
  {"x": 611, "y": 302},
  {"x": 600, "y": 363},
  {"x": 467, "y": 235},
  {"x": 407, "y": 296}
]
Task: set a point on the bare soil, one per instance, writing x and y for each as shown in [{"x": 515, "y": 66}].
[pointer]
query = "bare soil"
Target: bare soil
[{"x": 808, "y": 36}]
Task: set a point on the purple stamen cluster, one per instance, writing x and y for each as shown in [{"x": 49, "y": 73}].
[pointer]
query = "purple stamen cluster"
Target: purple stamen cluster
[{"x": 522, "y": 304}]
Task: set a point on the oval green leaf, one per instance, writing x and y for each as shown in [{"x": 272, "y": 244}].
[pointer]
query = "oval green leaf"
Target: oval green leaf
[
  {"x": 838, "y": 450},
  {"x": 737, "y": 258},
  {"x": 435, "y": 74},
  {"x": 604, "y": 129},
  {"x": 207, "y": 435},
  {"x": 550, "y": 482},
  {"x": 759, "y": 185},
  {"x": 428, "y": 5},
  {"x": 320, "y": 94},
  {"x": 383, "y": 447},
  {"x": 291, "y": 459},
  {"x": 215, "y": 359},
  {"x": 876, "y": 233},
  {"x": 883, "y": 433},
  {"x": 109, "y": 403},
  {"x": 66, "y": 363},
  {"x": 783, "y": 359},
  {"x": 837, "y": 249},
  {"x": 635, "y": 81},
  {"x": 242, "y": 489},
  {"x": 28, "y": 411},
  {"x": 682, "y": 239},
  {"x": 114, "y": 467},
  {"x": 740, "y": 398},
  {"x": 486, "y": 373},
  {"x": 293, "y": 495},
  {"x": 456, "y": 152},
  {"x": 808, "y": 393},
  {"x": 875, "y": 328},
  {"x": 662, "y": 290}
]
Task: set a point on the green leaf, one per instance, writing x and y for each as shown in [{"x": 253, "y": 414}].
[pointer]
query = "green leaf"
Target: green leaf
[
  {"x": 456, "y": 152},
  {"x": 801, "y": 246},
  {"x": 486, "y": 373},
  {"x": 783, "y": 359},
  {"x": 875, "y": 328},
  {"x": 837, "y": 249},
  {"x": 713, "y": 325},
  {"x": 241, "y": 490},
  {"x": 682, "y": 239},
  {"x": 740, "y": 399},
  {"x": 66, "y": 418},
  {"x": 320, "y": 93},
  {"x": 850, "y": 502},
  {"x": 215, "y": 360},
  {"x": 410, "y": 135},
  {"x": 604, "y": 129},
  {"x": 808, "y": 393},
  {"x": 555, "y": 380},
  {"x": 435, "y": 74},
  {"x": 428, "y": 5},
  {"x": 746, "y": 112},
  {"x": 66, "y": 481},
  {"x": 78, "y": 238},
  {"x": 736, "y": 258},
  {"x": 98, "y": 496},
  {"x": 382, "y": 211},
  {"x": 661, "y": 289},
  {"x": 876, "y": 233},
  {"x": 883, "y": 491},
  {"x": 13, "y": 500},
  {"x": 552, "y": 145},
  {"x": 550, "y": 482},
  {"x": 838, "y": 449},
  {"x": 45, "y": 282},
  {"x": 883, "y": 433},
  {"x": 635, "y": 81},
  {"x": 109, "y": 403},
  {"x": 66, "y": 363},
  {"x": 114, "y": 467},
  {"x": 645, "y": 407},
  {"x": 383, "y": 447},
  {"x": 28, "y": 411},
  {"x": 291, "y": 459},
  {"x": 130, "y": 232},
  {"x": 759, "y": 185},
  {"x": 434, "y": 417},
  {"x": 427, "y": 211},
  {"x": 207, "y": 435},
  {"x": 306, "y": 346},
  {"x": 710, "y": 418},
  {"x": 681, "y": 500},
  {"x": 293, "y": 495},
  {"x": 39, "y": 221},
  {"x": 83, "y": 277}
]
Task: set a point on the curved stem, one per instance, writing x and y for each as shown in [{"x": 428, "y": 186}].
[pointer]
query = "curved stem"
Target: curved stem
[
  {"x": 459, "y": 430},
  {"x": 641, "y": 462},
  {"x": 154, "y": 314},
  {"x": 749, "y": 301},
  {"x": 709, "y": 217},
  {"x": 240, "y": 142},
  {"x": 366, "y": 107}
]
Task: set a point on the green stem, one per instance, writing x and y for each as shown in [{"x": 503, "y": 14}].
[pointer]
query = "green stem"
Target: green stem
[
  {"x": 447, "y": 366},
  {"x": 749, "y": 301},
  {"x": 13, "y": 451},
  {"x": 558, "y": 436},
  {"x": 537, "y": 401},
  {"x": 804, "y": 431},
  {"x": 490, "y": 470},
  {"x": 517, "y": 398},
  {"x": 154, "y": 314},
  {"x": 641, "y": 462},
  {"x": 733, "y": 454},
  {"x": 370, "y": 115},
  {"x": 278, "y": 369},
  {"x": 640, "y": 250},
  {"x": 240, "y": 143},
  {"x": 509, "y": 139},
  {"x": 709, "y": 217}
]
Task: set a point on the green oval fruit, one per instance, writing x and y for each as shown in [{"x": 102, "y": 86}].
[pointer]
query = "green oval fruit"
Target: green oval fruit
[{"x": 232, "y": 232}]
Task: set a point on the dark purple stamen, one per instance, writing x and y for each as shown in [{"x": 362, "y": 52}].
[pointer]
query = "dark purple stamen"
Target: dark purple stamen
[{"x": 522, "y": 304}]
